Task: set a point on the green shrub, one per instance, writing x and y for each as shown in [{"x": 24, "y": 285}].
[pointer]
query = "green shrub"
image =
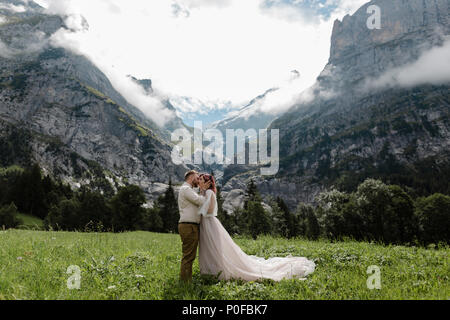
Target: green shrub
[
  {"x": 434, "y": 216},
  {"x": 9, "y": 216}
]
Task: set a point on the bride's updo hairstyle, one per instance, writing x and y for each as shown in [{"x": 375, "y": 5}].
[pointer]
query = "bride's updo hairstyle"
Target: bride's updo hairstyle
[{"x": 207, "y": 178}]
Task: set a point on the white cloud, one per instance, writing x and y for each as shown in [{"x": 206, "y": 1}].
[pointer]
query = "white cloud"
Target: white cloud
[
  {"x": 432, "y": 67},
  {"x": 344, "y": 7},
  {"x": 280, "y": 100},
  {"x": 12, "y": 7},
  {"x": 188, "y": 105},
  {"x": 206, "y": 3},
  {"x": 35, "y": 42},
  {"x": 226, "y": 51},
  {"x": 285, "y": 96},
  {"x": 135, "y": 94}
]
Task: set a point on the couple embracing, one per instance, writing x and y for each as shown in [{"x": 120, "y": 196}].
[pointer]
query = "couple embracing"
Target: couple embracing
[{"x": 219, "y": 255}]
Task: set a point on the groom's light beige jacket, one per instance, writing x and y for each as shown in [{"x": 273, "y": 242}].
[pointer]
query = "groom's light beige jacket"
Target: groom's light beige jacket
[{"x": 189, "y": 203}]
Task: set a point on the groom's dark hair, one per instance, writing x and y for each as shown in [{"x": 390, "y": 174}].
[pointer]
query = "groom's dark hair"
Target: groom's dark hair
[{"x": 189, "y": 173}]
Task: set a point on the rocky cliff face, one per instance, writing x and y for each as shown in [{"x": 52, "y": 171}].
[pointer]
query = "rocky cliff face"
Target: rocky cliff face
[
  {"x": 351, "y": 130},
  {"x": 411, "y": 25},
  {"x": 65, "y": 114},
  {"x": 408, "y": 28}
]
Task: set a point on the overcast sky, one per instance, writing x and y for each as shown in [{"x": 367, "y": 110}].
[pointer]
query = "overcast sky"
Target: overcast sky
[{"x": 219, "y": 53}]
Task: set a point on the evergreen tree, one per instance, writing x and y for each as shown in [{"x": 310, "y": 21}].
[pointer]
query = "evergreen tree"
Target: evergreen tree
[
  {"x": 94, "y": 210},
  {"x": 434, "y": 216},
  {"x": 8, "y": 216},
  {"x": 8, "y": 180},
  {"x": 400, "y": 222},
  {"x": 256, "y": 217},
  {"x": 354, "y": 225},
  {"x": 373, "y": 197},
  {"x": 37, "y": 204},
  {"x": 153, "y": 220},
  {"x": 169, "y": 210},
  {"x": 48, "y": 185},
  {"x": 64, "y": 216},
  {"x": 251, "y": 194},
  {"x": 237, "y": 222},
  {"x": 307, "y": 223},
  {"x": 3, "y": 192},
  {"x": 289, "y": 218},
  {"x": 28, "y": 193},
  {"x": 329, "y": 213},
  {"x": 278, "y": 219},
  {"x": 127, "y": 209}
]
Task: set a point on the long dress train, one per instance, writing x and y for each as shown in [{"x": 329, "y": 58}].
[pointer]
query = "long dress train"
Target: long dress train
[{"x": 220, "y": 256}]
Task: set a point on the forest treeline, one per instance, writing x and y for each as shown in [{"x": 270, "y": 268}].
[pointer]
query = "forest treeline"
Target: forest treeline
[{"x": 374, "y": 211}]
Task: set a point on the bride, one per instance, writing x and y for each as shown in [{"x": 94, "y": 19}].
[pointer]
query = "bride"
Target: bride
[{"x": 220, "y": 256}]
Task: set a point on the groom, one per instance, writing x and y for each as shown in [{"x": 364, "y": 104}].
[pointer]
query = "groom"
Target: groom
[{"x": 189, "y": 203}]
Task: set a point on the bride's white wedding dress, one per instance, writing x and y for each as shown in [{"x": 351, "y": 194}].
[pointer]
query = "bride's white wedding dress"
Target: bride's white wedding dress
[{"x": 220, "y": 255}]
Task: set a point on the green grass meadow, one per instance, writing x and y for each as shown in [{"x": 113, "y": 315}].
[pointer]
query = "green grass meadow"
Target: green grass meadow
[
  {"x": 28, "y": 222},
  {"x": 143, "y": 265}
]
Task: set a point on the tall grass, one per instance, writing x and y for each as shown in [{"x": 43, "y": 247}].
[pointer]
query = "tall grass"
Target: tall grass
[
  {"x": 142, "y": 265},
  {"x": 28, "y": 222}
]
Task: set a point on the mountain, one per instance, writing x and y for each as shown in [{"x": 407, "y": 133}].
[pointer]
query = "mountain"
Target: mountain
[
  {"x": 57, "y": 108},
  {"x": 172, "y": 124},
  {"x": 365, "y": 119},
  {"x": 146, "y": 84},
  {"x": 262, "y": 110},
  {"x": 247, "y": 117}
]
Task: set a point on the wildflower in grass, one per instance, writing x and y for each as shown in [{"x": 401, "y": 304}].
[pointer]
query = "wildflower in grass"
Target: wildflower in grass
[
  {"x": 111, "y": 287},
  {"x": 19, "y": 258}
]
